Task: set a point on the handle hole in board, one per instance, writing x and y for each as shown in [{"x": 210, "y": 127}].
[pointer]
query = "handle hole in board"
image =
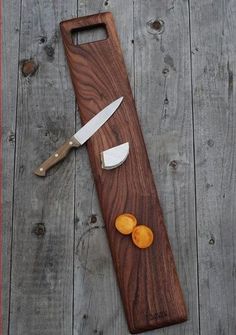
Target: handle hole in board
[{"x": 89, "y": 34}]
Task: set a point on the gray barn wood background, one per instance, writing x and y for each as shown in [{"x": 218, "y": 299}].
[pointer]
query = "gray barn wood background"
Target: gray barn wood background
[{"x": 181, "y": 60}]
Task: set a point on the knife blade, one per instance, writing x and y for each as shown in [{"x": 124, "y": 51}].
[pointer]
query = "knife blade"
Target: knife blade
[{"x": 80, "y": 137}]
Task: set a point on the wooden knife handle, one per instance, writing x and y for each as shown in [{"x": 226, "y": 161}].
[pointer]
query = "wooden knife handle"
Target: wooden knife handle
[{"x": 59, "y": 155}]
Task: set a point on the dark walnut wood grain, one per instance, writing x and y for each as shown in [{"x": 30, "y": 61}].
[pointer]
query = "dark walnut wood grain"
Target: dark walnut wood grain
[{"x": 147, "y": 278}]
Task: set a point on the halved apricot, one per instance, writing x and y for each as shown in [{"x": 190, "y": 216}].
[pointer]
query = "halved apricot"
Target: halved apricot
[
  {"x": 125, "y": 223},
  {"x": 142, "y": 236}
]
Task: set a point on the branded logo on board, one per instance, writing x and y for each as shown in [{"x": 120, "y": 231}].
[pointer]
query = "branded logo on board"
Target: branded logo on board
[{"x": 156, "y": 316}]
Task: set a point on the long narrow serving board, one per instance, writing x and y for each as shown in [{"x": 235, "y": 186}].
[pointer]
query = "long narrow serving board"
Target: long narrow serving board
[{"x": 147, "y": 278}]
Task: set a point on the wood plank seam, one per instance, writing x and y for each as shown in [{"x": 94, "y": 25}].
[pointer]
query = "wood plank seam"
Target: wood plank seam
[
  {"x": 194, "y": 164},
  {"x": 14, "y": 174}
]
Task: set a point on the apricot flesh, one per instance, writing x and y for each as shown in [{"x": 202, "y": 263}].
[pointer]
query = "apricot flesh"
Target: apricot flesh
[
  {"x": 142, "y": 236},
  {"x": 125, "y": 223}
]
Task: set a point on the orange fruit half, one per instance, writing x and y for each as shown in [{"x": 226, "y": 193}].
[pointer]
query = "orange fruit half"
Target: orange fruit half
[
  {"x": 142, "y": 236},
  {"x": 125, "y": 223}
]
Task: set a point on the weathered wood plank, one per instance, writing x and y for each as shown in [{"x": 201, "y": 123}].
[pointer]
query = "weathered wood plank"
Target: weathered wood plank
[
  {"x": 168, "y": 139},
  {"x": 10, "y": 46},
  {"x": 163, "y": 97},
  {"x": 43, "y": 222},
  {"x": 97, "y": 302},
  {"x": 213, "y": 29}
]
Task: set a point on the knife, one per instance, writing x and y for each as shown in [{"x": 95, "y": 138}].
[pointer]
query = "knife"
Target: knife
[{"x": 79, "y": 138}]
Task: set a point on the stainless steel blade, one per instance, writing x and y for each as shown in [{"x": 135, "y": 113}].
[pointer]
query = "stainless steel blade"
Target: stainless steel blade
[{"x": 96, "y": 122}]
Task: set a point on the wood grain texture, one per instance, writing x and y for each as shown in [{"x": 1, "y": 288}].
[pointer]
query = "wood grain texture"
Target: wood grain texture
[
  {"x": 213, "y": 61},
  {"x": 158, "y": 51},
  {"x": 97, "y": 302},
  {"x": 43, "y": 222},
  {"x": 164, "y": 104},
  {"x": 10, "y": 46},
  {"x": 148, "y": 280}
]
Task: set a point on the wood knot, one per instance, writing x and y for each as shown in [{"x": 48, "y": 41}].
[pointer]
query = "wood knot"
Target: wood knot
[
  {"x": 29, "y": 67},
  {"x": 43, "y": 40},
  {"x": 165, "y": 71},
  {"x": 155, "y": 26},
  {"x": 166, "y": 101},
  {"x": 173, "y": 164},
  {"x": 212, "y": 241},
  {"x": 93, "y": 218},
  {"x": 39, "y": 229}
]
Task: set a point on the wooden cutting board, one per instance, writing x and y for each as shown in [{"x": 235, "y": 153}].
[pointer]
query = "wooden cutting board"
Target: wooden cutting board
[{"x": 147, "y": 278}]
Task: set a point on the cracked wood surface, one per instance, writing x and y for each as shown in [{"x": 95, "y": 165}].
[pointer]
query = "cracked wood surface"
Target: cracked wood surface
[{"x": 58, "y": 272}]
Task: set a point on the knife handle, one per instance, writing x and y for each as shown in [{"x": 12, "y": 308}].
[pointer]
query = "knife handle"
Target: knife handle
[{"x": 59, "y": 155}]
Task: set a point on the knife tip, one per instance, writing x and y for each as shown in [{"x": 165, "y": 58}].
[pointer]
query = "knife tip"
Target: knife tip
[
  {"x": 116, "y": 103},
  {"x": 119, "y": 100}
]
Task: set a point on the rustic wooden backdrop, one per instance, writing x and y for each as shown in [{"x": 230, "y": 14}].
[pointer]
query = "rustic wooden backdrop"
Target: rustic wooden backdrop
[{"x": 58, "y": 273}]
